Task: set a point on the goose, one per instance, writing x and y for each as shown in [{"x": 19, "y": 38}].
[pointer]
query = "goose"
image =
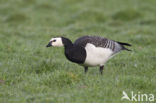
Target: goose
[{"x": 89, "y": 51}]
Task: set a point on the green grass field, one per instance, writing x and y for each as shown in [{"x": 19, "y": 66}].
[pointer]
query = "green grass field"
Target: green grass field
[{"x": 30, "y": 72}]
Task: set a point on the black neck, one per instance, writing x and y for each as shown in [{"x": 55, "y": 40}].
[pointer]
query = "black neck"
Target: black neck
[{"x": 67, "y": 43}]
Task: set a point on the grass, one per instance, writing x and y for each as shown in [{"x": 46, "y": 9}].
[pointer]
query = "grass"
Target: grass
[{"x": 30, "y": 72}]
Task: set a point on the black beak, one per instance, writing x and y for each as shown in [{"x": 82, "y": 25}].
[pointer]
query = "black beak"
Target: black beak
[{"x": 49, "y": 45}]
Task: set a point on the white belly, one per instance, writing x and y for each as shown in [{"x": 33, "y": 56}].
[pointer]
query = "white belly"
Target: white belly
[{"x": 96, "y": 55}]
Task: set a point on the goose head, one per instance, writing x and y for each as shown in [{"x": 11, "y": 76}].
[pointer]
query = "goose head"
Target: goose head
[
  {"x": 60, "y": 41},
  {"x": 55, "y": 42}
]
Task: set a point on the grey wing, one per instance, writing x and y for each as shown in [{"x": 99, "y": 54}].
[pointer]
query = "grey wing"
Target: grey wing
[
  {"x": 114, "y": 46},
  {"x": 117, "y": 48},
  {"x": 99, "y": 42},
  {"x": 82, "y": 41}
]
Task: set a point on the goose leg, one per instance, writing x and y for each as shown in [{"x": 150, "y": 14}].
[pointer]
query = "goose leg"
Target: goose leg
[
  {"x": 101, "y": 69},
  {"x": 85, "y": 69}
]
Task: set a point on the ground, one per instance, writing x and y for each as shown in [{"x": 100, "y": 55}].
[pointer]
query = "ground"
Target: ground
[{"x": 30, "y": 72}]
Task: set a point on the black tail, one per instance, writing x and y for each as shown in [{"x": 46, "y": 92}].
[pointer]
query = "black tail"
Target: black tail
[
  {"x": 124, "y": 44},
  {"x": 124, "y": 48}
]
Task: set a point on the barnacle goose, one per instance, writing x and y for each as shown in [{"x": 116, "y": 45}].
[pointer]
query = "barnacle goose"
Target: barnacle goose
[{"x": 89, "y": 50}]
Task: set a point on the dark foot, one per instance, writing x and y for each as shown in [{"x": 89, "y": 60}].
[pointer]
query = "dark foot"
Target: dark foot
[
  {"x": 101, "y": 69},
  {"x": 85, "y": 69}
]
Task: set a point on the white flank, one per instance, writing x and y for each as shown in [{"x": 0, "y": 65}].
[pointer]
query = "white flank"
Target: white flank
[{"x": 97, "y": 55}]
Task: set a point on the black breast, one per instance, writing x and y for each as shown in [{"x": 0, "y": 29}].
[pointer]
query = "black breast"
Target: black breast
[{"x": 76, "y": 54}]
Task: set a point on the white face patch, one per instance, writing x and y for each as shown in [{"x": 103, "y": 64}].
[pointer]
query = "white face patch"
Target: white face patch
[{"x": 56, "y": 42}]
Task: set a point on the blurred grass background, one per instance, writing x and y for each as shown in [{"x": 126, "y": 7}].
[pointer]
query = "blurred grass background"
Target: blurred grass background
[{"x": 29, "y": 72}]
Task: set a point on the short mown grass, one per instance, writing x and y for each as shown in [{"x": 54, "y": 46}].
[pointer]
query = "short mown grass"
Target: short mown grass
[{"x": 30, "y": 72}]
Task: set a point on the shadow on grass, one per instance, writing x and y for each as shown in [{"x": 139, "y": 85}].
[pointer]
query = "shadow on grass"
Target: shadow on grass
[
  {"x": 45, "y": 66},
  {"x": 62, "y": 79},
  {"x": 127, "y": 15},
  {"x": 92, "y": 16},
  {"x": 16, "y": 18}
]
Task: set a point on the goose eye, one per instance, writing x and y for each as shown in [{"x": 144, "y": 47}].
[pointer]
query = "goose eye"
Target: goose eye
[{"x": 54, "y": 40}]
